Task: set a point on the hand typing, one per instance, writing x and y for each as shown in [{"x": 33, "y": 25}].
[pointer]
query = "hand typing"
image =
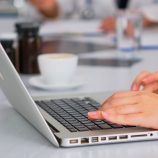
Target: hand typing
[{"x": 136, "y": 108}]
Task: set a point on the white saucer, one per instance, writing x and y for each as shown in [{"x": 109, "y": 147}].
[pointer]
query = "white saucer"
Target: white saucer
[{"x": 38, "y": 82}]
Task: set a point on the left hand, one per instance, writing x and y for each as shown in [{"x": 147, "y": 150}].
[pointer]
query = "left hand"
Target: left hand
[{"x": 135, "y": 108}]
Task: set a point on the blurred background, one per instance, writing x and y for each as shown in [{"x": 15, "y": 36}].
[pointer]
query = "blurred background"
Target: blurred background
[{"x": 118, "y": 28}]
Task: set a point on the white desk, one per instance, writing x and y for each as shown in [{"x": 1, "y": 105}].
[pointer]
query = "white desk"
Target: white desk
[{"x": 19, "y": 139}]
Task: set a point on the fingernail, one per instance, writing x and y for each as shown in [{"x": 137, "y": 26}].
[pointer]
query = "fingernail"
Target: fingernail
[
  {"x": 92, "y": 114},
  {"x": 105, "y": 115}
]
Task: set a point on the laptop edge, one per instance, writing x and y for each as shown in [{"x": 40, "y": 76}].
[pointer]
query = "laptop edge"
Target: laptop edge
[{"x": 25, "y": 105}]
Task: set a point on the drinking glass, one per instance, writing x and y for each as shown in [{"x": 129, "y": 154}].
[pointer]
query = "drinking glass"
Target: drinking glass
[{"x": 128, "y": 33}]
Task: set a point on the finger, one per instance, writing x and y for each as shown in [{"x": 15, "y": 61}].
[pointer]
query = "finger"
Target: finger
[
  {"x": 125, "y": 109},
  {"x": 124, "y": 94},
  {"x": 120, "y": 98},
  {"x": 136, "y": 119},
  {"x": 152, "y": 78},
  {"x": 138, "y": 80},
  {"x": 95, "y": 115},
  {"x": 120, "y": 102}
]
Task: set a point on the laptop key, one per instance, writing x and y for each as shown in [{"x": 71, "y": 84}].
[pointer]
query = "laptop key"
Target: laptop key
[
  {"x": 104, "y": 126},
  {"x": 99, "y": 122},
  {"x": 116, "y": 126},
  {"x": 73, "y": 130},
  {"x": 94, "y": 128},
  {"x": 83, "y": 129}
]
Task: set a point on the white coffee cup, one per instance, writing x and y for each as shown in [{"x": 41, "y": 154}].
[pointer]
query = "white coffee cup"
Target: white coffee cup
[{"x": 57, "y": 68}]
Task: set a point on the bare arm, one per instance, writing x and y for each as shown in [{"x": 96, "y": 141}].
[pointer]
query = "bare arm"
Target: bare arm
[{"x": 49, "y": 8}]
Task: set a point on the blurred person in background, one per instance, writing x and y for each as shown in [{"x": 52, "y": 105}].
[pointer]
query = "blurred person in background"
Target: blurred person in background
[
  {"x": 87, "y": 9},
  {"x": 96, "y": 9},
  {"x": 93, "y": 9}
]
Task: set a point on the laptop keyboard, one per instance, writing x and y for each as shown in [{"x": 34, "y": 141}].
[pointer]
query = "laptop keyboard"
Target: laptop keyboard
[{"x": 72, "y": 113}]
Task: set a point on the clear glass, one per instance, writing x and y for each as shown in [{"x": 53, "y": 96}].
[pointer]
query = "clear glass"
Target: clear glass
[
  {"x": 88, "y": 11},
  {"x": 128, "y": 28}
]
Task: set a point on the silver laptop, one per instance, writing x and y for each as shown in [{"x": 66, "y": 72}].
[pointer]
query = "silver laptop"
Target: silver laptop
[{"x": 63, "y": 120}]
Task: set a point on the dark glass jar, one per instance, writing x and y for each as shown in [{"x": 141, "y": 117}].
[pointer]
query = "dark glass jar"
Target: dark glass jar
[{"x": 28, "y": 47}]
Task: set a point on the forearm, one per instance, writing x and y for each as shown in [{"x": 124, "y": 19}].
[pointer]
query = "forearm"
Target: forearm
[
  {"x": 48, "y": 8},
  {"x": 51, "y": 12}
]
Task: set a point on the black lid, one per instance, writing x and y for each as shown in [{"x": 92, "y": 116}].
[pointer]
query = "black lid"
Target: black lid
[
  {"x": 122, "y": 4},
  {"x": 27, "y": 28}
]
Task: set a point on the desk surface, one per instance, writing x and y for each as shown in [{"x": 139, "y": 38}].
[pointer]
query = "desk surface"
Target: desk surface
[{"x": 19, "y": 139}]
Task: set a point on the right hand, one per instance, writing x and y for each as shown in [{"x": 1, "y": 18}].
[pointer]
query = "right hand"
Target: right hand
[
  {"x": 147, "y": 80},
  {"x": 133, "y": 108},
  {"x": 108, "y": 25}
]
